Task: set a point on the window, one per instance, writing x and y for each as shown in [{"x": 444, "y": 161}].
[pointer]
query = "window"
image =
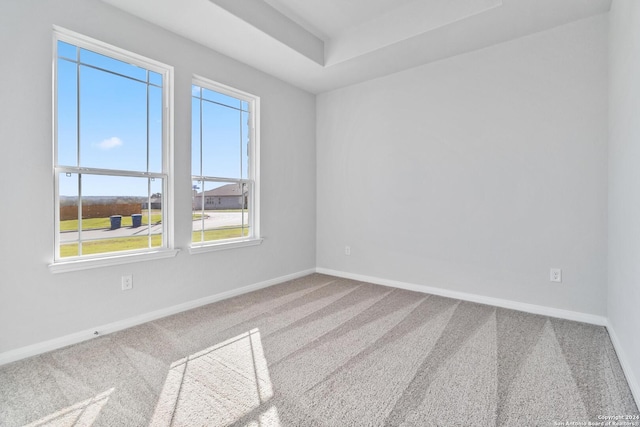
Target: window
[
  {"x": 111, "y": 151},
  {"x": 224, "y": 164}
]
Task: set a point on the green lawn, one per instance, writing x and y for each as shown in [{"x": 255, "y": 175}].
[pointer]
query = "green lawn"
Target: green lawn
[
  {"x": 219, "y": 234},
  {"x": 141, "y": 242},
  {"x": 110, "y": 245}
]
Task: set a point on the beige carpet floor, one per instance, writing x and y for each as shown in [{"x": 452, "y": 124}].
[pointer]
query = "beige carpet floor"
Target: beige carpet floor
[{"x": 324, "y": 351}]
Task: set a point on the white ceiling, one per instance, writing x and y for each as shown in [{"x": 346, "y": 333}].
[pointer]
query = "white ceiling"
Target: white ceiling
[
  {"x": 330, "y": 18},
  {"x": 353, "y": 28},
  {"x": 320, "y": 45}
]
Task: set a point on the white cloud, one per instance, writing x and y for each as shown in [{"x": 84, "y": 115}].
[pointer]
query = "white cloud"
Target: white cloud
[{"x": 110, "y": 143}]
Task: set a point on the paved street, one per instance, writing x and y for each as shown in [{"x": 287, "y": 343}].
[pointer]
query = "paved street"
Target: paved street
[
  {"x": 213, "y": 219},
  {"x": 216, "y": 219}
]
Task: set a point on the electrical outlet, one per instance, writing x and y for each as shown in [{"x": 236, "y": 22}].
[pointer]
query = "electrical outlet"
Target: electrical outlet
[
  {"x": 127, "y": 282},
  {"x": 347, "y": 250},
  {"x": 555, "y": 275}
]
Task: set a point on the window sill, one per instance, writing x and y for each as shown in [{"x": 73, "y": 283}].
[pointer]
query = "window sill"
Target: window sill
[
  {"x": 85, "y": 264},
  {"x": 223, "y": 246}
]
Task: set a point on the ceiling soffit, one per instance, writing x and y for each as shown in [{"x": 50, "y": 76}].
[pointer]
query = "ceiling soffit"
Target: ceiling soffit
[{"x": 320, "y": 45}]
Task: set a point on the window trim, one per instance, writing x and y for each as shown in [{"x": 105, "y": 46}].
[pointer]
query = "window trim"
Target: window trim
[
  {"x": 253, "y": 168},
  {"x": 113, "y": 258},
  {"x": 120, "y": 258}
]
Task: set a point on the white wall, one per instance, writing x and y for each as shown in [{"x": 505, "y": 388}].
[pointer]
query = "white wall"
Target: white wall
[
  {"x": 624, "y": 184},
  {"x": 36, "y": 305},
  {"x": 475, "y": 174}
]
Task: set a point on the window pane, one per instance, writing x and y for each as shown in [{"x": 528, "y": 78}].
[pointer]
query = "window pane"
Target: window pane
[
  {"x": 155, "y": 129},
  {"x": 197, "y": 207},
  {"x": 244, "y": 149},
  {"x": 109, "y": 206},
  {"x": 155, "y": 78},
  {"x": 66, "y": 50},
  {"x": 220, "y": 211},
  {"x": 116, "y": 244},
  {"x": 220, "y": 98},
  {"x": 152, "y": 215},
  {"x": 106, "y": 63},
  {"x": 113, "y": 127},
  {"x": 221, "y": 141},
  {"x": 195, "y": 137},
  {"x": 69, "y": 224},
  {"x": 67, "y": 112}
]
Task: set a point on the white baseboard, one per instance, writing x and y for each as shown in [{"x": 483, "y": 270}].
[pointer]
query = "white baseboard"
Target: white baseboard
[
  {"x": 634, "y": 383},
  {"x": 45, "y": 346},
  {"x": 498, "y": 302}
]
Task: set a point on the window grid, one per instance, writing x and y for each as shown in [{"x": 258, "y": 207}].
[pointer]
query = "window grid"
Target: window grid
[
  {"x": 81, "y": 44},
  {"x": 246, "y": 180}
]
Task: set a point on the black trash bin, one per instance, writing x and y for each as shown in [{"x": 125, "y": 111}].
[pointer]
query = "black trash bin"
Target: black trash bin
[
  {"x": 136, "y": 220},
  {"x": 116, "y": 221}
]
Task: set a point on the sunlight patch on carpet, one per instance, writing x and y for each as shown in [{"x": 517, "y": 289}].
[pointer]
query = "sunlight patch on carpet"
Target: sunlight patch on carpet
[
  {"x": 80, "y": 414},
  {"x": 218, "y": 386}
]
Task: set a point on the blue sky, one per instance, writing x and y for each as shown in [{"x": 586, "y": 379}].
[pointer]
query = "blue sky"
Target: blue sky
[
  {"x": 113, "y": 125},
  {"x": 224, "y": 134}
]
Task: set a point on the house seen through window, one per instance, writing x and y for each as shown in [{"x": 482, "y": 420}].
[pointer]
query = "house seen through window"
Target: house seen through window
[
  {"x": 110, "y": 139},
  {"x": 224, "y": 164}
]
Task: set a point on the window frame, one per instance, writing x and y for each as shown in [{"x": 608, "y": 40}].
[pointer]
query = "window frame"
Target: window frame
[
  {"x": 253, "y": 169},
  {"x": 167, "y": 249}
]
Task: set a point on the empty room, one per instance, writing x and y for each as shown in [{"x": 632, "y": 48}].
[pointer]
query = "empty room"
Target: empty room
[{"x": 320, "y": 213}]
